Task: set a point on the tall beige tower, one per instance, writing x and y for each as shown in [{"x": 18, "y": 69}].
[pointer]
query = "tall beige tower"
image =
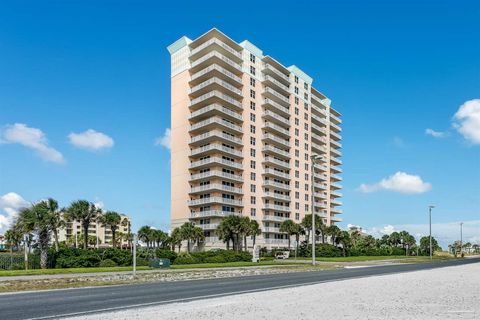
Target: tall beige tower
[{"x": 244, "y": 129}]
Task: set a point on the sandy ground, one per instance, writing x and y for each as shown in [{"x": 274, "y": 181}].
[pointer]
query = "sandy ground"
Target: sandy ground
[{"x": 445, "y": 293}]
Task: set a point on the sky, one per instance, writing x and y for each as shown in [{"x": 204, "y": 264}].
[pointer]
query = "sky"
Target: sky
[{"x": 85, "y": 105}]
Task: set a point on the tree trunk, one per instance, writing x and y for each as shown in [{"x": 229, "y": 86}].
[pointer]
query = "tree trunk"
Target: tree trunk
[
  {"x": 43, "y": 243},
  {"x": 55, "y": 236},
  {"x": 254, "y": 238},
  {"x": 188, "y": 245},
  {"x": 245, "y": 242},
  {"x": 308, "y": 237},
  {"x": 113, "y": 238},
  {"x": 289, "y": 242},
  {"x": 297, "y": 238}
]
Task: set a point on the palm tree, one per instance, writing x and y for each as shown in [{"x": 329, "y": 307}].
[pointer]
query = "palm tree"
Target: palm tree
[
  {"x": 111, "y": 219},
  {"x": 145, "y": 234},
  {"x": 224, "y": 233},
  {"x": 56, "y": 220},
  {"x": 244, "y": 230},
  {"x": 254, "y": 230},
  {"x": 191, "y": 233},
  {"x": 307, "y": 225},
  {"x": 333, "y": 231},
  {"x": 37, "y": 219},
  {"x": 198, "y": 235},
  {"x": 229, "y": 229},
  {"x": 394, "y": 239},
  {"x": 288, "y": 227},
  {"x": 345, "y": 240},
  {"x": 322, "y": 228},
  {"x": 176, "y": 239},
  {"x": 13, "y": 238},
  {"x": 354, "y": 237},
  {"x": 85, "y": 212}
]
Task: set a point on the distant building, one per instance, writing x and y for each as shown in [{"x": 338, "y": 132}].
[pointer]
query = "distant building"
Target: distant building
[
  {"x": 95, "y": 229},
  {"x": 2, "y": 242}
]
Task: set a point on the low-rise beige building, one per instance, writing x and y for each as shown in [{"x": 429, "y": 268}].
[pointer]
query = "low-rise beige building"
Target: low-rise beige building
[{"x": 244, "y": 130}]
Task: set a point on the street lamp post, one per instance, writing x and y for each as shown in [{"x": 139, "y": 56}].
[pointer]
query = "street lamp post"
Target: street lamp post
[
  {"x": 430, "y": 215},
  {"x": 461, "y": 238},
  {"x": 313, "y": 157}
]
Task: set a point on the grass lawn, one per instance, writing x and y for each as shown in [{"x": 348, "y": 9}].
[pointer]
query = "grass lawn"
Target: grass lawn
[
  {"x": 372, "y": 258},
  {"x": 5, "y": 273}
]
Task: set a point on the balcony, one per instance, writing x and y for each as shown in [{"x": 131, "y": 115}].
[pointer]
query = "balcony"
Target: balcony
[
  {"x": 215, "y": 187},
  {"x": 270, "y": 69},
  {"x": 336, "y": 211},
  {"x": 215, "y": 96},
  {"x": 215, "y": 71},
  {"x": 275, "y": 195},
  {"x": 277, "y": 162},
  {"x": 320, "y": 168},
  {"x": 277, "y": 85},
  {"x": 215, "y": 174},
  {"x": 272, "y": 116},
  {"x": 321, "y": 195},
  {"x": 335, "y": 186},
  {"x": 335, "y": 144},
  {"x": 318, "y": 130},
  {"x": 212, "y": 123},
  {"x": 336, "y": 194},
  {"x": 318, "y": 119},
  {"x": 335, "y": 152},
  {"x": 335, "y": 118},
  {"x": 282, "y": 242},
  {"x": 276, "y": 173},
  {"x": 215, "y": 109},
  {"x": 214, "y": 148},
  {"x": 336, "y": 177},
  {"x": 336, "y": 219},
  {"x": 320, "y": 176},
  {"x": 268, "y": 217},
  {"x": 270, "y": 230},
  {"x": 273, "y": 139},
  {"x": 205, "y": 163},
  {"x": 336, "y": 169},
  {"x": 276, "y": 96},
  {"x": 209, "y": 226},
  {"x": 276, "y": 207},
  {"x": 215, "y": 57},
  {"x": 335, "y": 161},
  {"x": 276, "y": 151},
  {"x": 213, "y": 136},
  {"x": 335, "y": 202},
  {"x": 215, "y": 44},
  {"x": 269, "y": 103},
  {"x": 212, "y": 214},
  {"x": 320, "y": 204},
  {"x": 214, "y": 84},
  {"x": 277, "y": 129},
  {"x": 215, "y": 200},
  {"x": 277, "y": 185},
  {"x": 318, "y": 148},
  {"x": 321, "y": 186},
  {"x": 319, "y": 110},
  {"x": 334, "y": 127},
  {"x": 335, "y": 136}
]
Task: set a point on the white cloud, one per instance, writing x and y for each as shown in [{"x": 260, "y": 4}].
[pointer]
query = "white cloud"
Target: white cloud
[
  {"x": 400, "y": 182},
  {"x": 32, "y": 138},
  {"x": 91, "y": 140},
  {"x": 10, "y": 203},
  {"x": 435, "y": 134},
  {"x": 165, "y": 140},
  {"x": 467, "y": 121},
  {"x": 388, "y": 229}
]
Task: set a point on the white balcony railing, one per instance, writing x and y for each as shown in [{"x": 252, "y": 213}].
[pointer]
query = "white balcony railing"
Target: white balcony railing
[
  {"x": 219, "y": 43},
  {"x": 277, "y": 173},
  {"x": 268, "y": 217},
  {"x": 215, "y": 80},
  {"x": 218, "y": 107},
  {"x": 216, "y": 133},
  {"x": 280, "y": 96},
  {"x": 282, "y": 141},
  {"x": 276, "y": 150},
  {"x": 215, "y": 186},
  {"x": 216, "y": 160},
  {"x": 273, "y": 126},
  {"x": 283, "y": 120},
  {"x": 277, "y": 72},
  {"x": 216, "y": 146},
  {"x": 276, "y": 195},
  {"x": 218, "y": 55},
  {"x": 276, "y": 207},
  {"x": 216, "y": 173},
  {"x": 281, "y": 163},
  {"x": 216, "y": 120},
  {"x": 220, "y": 200},
  {"x": 277, "y": 106},
  {"x": 219, "y": 95}
]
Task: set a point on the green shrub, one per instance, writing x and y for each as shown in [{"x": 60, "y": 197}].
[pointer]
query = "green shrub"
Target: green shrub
[
  {"x": 107, "y": 263},
  {"x": 213, "y": 256},
  {"x": 166, "y": 254},
  {"x": 186, "y": 258}
]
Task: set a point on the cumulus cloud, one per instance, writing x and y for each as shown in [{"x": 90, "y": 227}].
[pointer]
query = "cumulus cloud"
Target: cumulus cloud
[
  {"x": 91, "y": 140},
  {"x": 400, "y": 182},
  {"x": 435, "y": 134},
  {"x": 31, "y": 138},
  {"x": 467, "y": 121},
  {"x": 10, "y": 204},
  {"x": 164, "y": 140}
]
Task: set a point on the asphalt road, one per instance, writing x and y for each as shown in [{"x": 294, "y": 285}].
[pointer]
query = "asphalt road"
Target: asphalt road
[{"x": 61, "y": 303}]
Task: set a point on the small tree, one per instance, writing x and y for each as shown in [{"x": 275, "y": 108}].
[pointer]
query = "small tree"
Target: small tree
[
  {"x": 288, "y": 227},
  {"x": 112, "y": 220},
  {"x": 85, "y": 212}
]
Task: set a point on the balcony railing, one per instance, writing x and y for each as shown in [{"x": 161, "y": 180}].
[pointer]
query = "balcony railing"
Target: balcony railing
[
  {"x": 273, "y": 184},
  {"x": 268, "y": 217},
  {"x": 216, "y": 120},
  {"x": 219, "y": 43},
  {"x": 335, "y": 143},
  {"x": 218, "y": 55},
  {"x": 277, "y": 72},
  {"x": 216, "y": 133},
  {"x": 270, "y": 206},
  {"x": 317, "y": 118},
  {"x": 271, "y": 229},
  {"x": 277, "y": 241},
  {"x": 276, "y": 195},
  {"x": 277, "y": 83},
  {"x": 321, "y": 186},
  {"x": 215, "y": 80},
  {"x": 215, "y": 186},
  {"x": 219, "y": 95},
  {"x": 276, "y": 150},
  {"x": 334, "y": 126},
  {"x": 277, "y": 106},
  {"x": 273, "y": 126},
  {"x": 218, "y": 160},
  {"x": 209, "y": 226},
  {"x": 212, "y": 213},
  {"x": 335, "y": 135},
  {"x": 281, "y": 163},
  {"x": 281, "y": 119},
  {"x": 278, "y": 95},
  {"x": 218, "y": 68},
  {"x": 220, "y": 200},
  {"x": 283, "y": 142},
  {"x": 319, "y": 138},
  {"x": 216, "y": 173},
  {"x": 277, "y": 173},
  {"x": 217, "y": 107},
  {"x": 216, "y": 146}
]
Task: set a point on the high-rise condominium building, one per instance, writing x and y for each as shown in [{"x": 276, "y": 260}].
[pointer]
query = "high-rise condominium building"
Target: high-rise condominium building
[{"x": 244, "y": 129}]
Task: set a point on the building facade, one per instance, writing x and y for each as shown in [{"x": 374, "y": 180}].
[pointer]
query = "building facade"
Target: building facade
[
  {"x": 73, "y": 232},
  {"x": 244, "y": 129}
]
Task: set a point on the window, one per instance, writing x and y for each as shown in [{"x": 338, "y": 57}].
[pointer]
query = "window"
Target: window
[
  {"x": 305, "y": 116},
  {"x": 306, "y": 186},
  {"x": 297, "y": 205},
  {"x": 297, "y": 216},
  {"x": 252, "y": 164},
  {"x": 253, "y": 212},
  {"x": 253, "y": 200},
  {"x": 252, "y": 152},
  {"x": 252, "y": 58},
  {"x": 296, "y": 132},
  {"x": 252, "y": 105},
  {"x": 306, "y": 136},
  {"x": 306, "y": 176},
  {"x": 297, "y": 143},
  {"x": 253, "y": 176},
  {"x": 297, "y": 153},
  {"x": 252, "y": 141},
  {"x": 305, "y": 96},
  {"x": 296, "y": 90},
  {"x": 306, "y": 166},
  {"x": 297, "y": 184},
  {"x": 252, "y": 93},
  {"x": 296, "y": 100},
  {"x": 297, "y": 174},
  {"x": 305, "y": 105},
  {"x": 252, "y": 70},
  {"x": 253, "y": 188},
  {"x": 306, "y": 156},
  {"x": 296, "y": 79},
  {"x": 297, "y": 163},
  {"x": 297, "y": 195},
  {"x": 306, "y": 126},
  {"x": 306, "y": 197},
  {"x": 297, "y": 122},
  {"x": 296, "y": 111},
  {"x": 306, "y": 208},
  {"x": 306, "y": 146},
  {"x": 252, "y": 129},
  {"x": 252, "y": 82},
  {"x": 252, "y": 117},
  {"x": 305, "y": 86}
]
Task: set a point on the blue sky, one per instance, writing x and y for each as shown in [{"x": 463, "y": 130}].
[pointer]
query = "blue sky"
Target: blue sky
[{"x": 392, "y": 68}]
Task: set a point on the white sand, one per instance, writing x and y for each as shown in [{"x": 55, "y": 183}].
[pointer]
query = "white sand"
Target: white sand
[{"x": 445, "y": 293}]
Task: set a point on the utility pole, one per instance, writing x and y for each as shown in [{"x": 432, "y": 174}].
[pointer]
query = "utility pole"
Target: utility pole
[
  {"x": 25, "y": 249},
  {"x": 134, "y": 255},
  {"x": 430, "y": 214},
  {"x": 461, "y": 238}
]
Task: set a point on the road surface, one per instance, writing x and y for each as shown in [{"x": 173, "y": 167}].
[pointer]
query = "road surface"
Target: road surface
[{"x": 62, "y": 303}]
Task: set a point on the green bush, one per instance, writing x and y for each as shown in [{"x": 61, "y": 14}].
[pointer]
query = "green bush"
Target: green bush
[
  {"x": 107, "y": 263},
  {"x": 166, "y": 254},
  {"x": 185, "y": 258},
  {"x": 77, "y": 258},
  {"x": 213, "y": 256}
]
